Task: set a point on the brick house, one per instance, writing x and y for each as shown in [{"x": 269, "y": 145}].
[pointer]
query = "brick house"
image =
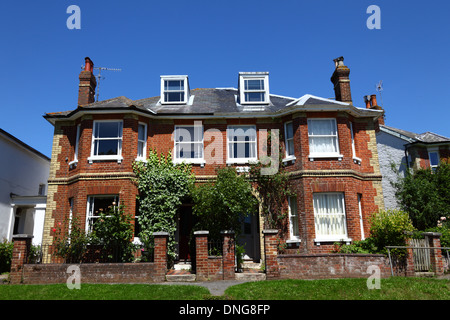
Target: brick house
[{"x": 330, "y": 151}]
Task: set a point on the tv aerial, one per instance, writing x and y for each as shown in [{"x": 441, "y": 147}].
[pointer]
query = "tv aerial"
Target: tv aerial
[
  {"x": 100, "y": 77},
  {"x": 379, "y": 88}
]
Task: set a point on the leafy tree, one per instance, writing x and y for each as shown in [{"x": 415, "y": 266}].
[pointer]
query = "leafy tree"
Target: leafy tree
[
  {"x": 162, "y": 188},
  {"x": 224, "y": 204},
  {"x": 425, "y": 195}
]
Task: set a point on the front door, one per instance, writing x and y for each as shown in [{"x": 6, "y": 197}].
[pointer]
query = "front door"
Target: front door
[
  {"x": 249, "y": 238},
  {"x": 185, "y": 223}
]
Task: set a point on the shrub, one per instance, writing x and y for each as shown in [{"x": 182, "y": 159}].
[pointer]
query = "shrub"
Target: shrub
[
  {"x": 6, "y": 249},
  {"x": 388, "y": 228}
]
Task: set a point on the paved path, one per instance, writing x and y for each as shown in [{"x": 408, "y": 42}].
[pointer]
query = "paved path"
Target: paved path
[{"x": 216, "y": 288}]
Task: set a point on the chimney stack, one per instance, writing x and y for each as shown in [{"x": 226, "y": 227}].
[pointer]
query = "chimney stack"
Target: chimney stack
[
  {"x": 371, "y": 103},
  {"x": 86, "y": 88},
  {"x": 341, "y": 81}
]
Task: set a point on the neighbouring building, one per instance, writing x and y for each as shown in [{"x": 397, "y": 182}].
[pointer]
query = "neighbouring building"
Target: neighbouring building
[
  {"x": 329, "y": 148},
  {"x": 24, "y": 173},
  {"x": 407, "y": 150}
]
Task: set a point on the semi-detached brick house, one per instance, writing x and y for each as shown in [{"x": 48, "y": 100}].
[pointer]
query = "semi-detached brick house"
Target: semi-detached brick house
[{"x": 329, "y": 149}]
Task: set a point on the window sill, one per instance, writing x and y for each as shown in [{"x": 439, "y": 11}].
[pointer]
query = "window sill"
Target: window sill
[
  {"x": 337, "y": 156},
  {"x": 201, "y": 162},
  {"x": 241, "y": 161},
  {"x": 288, "y": 159},
  {"x": 105, "y": 158},
  {"x": 347, "y": 241},
  {"x": 293, "y": 241}
]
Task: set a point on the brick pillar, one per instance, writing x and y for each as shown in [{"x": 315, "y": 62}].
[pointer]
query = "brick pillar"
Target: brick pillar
[
  {"x": 201, "y": 253},
  {"x": 271, "y": 253},
  {"x": 409, "y": 259},
  {"x": 160, "y": 254},
  {"x": 228, "y": 255},
  {"x": 22, "y": 244},
  {"x": 437, "y": 264}
]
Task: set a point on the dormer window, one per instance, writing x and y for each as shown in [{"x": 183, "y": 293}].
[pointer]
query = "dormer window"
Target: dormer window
[
  {"x": 254, "y": 87},
  {"x": 174, "y": 89}
]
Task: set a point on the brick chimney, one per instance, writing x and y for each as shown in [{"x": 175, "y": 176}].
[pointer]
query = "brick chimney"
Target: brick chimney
[
  {"x": 86, "y": 88},
  {"x": 371, "y": 103},
  {"x": 341, "y": 81}
]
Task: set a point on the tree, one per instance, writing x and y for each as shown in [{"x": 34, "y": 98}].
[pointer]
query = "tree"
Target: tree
[
  {"x": 425, "y": 195},
  {"x": 162, "y": 188},
  {"x": 222, "y": 205}
]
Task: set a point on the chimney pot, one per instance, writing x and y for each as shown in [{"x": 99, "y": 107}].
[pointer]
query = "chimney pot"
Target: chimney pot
[
  {"x": 367, "y": 101},
  {"x": 373, "y": 100},
  {"x": 88, "y": 64}
]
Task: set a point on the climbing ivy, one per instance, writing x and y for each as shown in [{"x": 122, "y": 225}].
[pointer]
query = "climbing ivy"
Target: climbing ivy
[{"x": 162, "y": 187}]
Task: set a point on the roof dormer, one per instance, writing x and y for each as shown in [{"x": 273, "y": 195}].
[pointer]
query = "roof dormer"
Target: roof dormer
[
  {"x": 174, "y": 89},
  {"x": 254, "y": 88}
]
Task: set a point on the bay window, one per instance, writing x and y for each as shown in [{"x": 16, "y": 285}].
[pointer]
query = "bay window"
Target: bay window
[
  {"x": 289, "y": 140},
  {"x": 294, "y": 235},
  {"x": 96, "y": 205},
  {"x": 142, "y": 141}
]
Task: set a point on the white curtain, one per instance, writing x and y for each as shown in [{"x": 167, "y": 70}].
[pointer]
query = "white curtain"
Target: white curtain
[
  {"x": 329, "y": 215},
  {"x": 322, "y": 136}
]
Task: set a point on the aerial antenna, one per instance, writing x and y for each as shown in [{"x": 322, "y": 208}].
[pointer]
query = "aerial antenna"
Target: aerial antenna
[
  {"x": 100, "y": 77},
  {"x": 379, "y": 87}
]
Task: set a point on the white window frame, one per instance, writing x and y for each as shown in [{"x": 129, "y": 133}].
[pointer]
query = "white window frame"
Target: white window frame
[
  {"x": 177, "y": 159},
  {"x": 355, "y": 158},
  {"x": 361, "y": 221},
  {"x": 77, "y": 142},
  {"x": 90, "y": 205},
  {"x": 263, "y": 76},
  {"x": 320, "y": 223},
  {"x": 294, "y": 235},
  {"x": 143, "y": 157},
  {"x": 436, "y": 151},
  {"x": 314, "y": 154},
  {"x": 185, "y": 90},
  {"x": 289, "y": 157},
  {"x": 119, "y": 139},
  {"x": 230, "y": 144}
]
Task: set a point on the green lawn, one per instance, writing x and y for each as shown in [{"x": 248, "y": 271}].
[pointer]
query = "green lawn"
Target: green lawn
[
  {"x": 396, "y": 288},
  {"x": 103, "y": 292}
]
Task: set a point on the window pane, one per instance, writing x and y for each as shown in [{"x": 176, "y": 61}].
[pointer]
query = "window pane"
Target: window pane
[
  {"x": 185, "y": 134},
  {"x": 106, "y": 147},
  {"x": 290, "y": 147},
  {"x": 323, "y": 145},
  {"x": 140, "y": 149},
  {"x": 174, "y": 85},
  {"x": 322, "y": 127},
  {"x": 254, "y": 84},
  {"x": 329, "y": 214},
  {"x": 173, "y": 96},
  {"x": 434, "y": 158},
  {"x": 254, "y": 96},
  {"x": 141, "y": 132},
  {"x": 289, "y": 130},
  {"x": 108, "y": 130}
]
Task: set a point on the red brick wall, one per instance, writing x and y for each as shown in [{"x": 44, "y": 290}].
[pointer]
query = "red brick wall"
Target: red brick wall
[{"x": 111, "y": 177}]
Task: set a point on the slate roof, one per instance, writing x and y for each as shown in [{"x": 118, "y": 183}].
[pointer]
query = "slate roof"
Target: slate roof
[
  {"x": 427, "y": 137},
  {"x": 217, "y": 102}
]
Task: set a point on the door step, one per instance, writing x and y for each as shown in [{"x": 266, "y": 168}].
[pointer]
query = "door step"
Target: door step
[
  {"x": 180, "y": 277},
  {"x": 250, "y": 276}
]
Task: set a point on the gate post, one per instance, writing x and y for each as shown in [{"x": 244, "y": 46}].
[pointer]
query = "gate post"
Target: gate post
[
  {"x": 410, "y": 272},
  {"x": 21, "y": 248},
  {"x": 201, "y": 253},
  {"x": 434, "y": 240},
  {"x": 160, "y": 254},
  {"x": 271, "y": 253},
  {"x": 228, "y": 255}
]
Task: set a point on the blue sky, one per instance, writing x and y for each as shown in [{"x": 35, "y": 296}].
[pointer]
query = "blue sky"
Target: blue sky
[{"x": 211, "y": 41}]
